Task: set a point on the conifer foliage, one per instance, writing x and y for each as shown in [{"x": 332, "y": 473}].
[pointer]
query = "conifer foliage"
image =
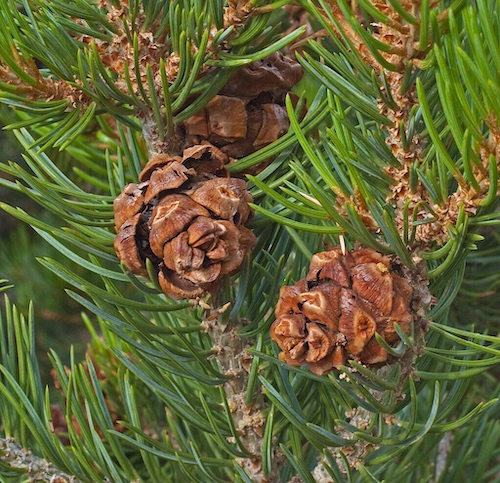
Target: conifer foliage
[{"x": 286, "y": 217}]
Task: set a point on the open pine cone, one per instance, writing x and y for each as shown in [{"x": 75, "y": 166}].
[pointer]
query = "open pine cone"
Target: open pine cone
[
  {"x": 332, "y": 315},
  {"x": 187, "y": 220},
  {"x": 249, "y": 112}
]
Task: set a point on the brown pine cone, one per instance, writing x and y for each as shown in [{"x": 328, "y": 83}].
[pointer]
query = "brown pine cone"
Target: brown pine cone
[
  {"x": 249, "y": 112},
  {"x": 186, "y": 220},
  {"x": 332, "y": 315}
]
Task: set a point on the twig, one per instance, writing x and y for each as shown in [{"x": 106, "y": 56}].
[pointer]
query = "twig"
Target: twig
[{"x": 36, "y": 468}]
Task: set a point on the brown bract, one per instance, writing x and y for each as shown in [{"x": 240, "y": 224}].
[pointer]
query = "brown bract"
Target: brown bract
[
  {"x": 333, "y": 314},
  {"x": 188, "y": 222}
]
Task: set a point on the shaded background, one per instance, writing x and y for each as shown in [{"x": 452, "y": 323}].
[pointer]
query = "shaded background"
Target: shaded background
[{"x": 57, "y": 317}]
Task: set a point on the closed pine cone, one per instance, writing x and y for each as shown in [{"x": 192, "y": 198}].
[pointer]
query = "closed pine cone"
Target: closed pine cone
[
  {"x": 187, "y": 219},
  {"x": 332, "y": 315}
]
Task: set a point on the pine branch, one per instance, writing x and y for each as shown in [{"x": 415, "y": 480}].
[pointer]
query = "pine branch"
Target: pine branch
[{"x": 183, "y": 390}]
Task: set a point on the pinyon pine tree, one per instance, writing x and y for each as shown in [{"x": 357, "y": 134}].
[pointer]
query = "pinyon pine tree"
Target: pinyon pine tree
[{"x": 285, "y": 221}]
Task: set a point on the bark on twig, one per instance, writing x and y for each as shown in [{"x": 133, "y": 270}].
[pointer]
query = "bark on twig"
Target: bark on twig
[
  {"x": 248, "y": 419},
  {"x": 36, "y": 468}
]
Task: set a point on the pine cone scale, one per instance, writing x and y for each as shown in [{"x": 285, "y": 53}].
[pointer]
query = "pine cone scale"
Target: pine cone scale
[
  {"x": 157, "y": 162},
  {"x": 228, "y": 198},
  {"x": 373, "y": 282},
  {"x": 318, "y": 342},
  {"x": 128, "y": 203},
  {"x": 249, "y": 112},
  {"x": 126, "y": 247},
  {"x": 168, "y": 178},
  {"x": 171, "y": 216},
  {"x": 178, "y": 287}
]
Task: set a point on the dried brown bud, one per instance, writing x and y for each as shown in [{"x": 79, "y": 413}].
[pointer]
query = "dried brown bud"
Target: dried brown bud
[
  {"x": 333, "y": 314},
  {"x": 187, "y": 221}
]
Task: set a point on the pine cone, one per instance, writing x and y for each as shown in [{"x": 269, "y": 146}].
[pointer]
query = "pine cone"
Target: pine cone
[
  {"x": 249, "y": 112},
  {"x": 332, "y": 315},
  {"x": 186, "y": 220}
]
